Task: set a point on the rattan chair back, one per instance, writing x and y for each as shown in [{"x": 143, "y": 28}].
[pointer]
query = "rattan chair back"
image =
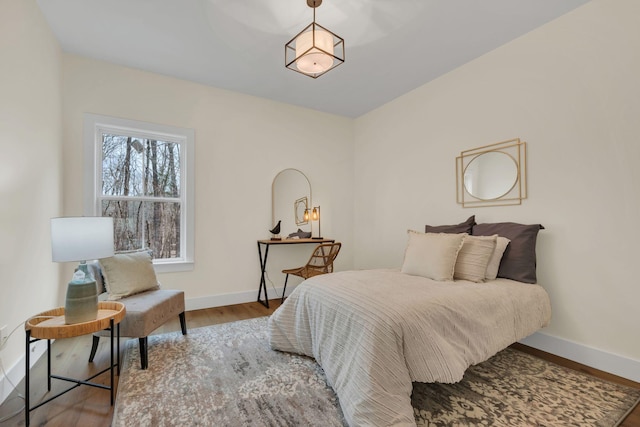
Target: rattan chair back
[{"x": 320, "y": 262}]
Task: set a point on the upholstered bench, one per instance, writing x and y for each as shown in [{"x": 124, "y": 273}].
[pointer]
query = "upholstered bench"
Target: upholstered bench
[
  {"x": 147, "y": 309},
  {"x": 146, "y": 312}
]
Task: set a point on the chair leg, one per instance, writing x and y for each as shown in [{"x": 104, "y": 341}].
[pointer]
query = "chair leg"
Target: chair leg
[
  {"x": 183, "y": 323},
  {"x": 284, "y": 291},
  {"x": 144, "y": 356},
  {"x": 94, "y": 347}
]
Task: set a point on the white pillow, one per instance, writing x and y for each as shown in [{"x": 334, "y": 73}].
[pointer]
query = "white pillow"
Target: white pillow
[
  {"x": 128, "y": 273},
  {"x": 473, "y": 258},
  {"x": 432, "y": 255},
  {"x": 496, "y": 257}
]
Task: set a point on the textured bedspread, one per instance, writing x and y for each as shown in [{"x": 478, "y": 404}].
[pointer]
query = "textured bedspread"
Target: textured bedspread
[{"x": 375, "y": 331}]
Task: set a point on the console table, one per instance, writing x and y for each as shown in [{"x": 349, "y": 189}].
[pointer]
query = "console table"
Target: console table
[
  {"x": 51, "y": 325},
  {"x": 263, "y": 259}
]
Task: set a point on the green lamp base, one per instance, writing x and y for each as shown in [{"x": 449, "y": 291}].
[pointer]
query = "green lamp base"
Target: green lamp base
[{"x": 81, "y": 304}]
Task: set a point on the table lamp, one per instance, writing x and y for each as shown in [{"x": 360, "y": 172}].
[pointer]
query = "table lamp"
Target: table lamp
[
  {"x": 81, "y": 239},
  {"x": 315, "y": 216}
]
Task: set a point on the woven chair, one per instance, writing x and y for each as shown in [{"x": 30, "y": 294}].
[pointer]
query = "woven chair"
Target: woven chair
[{"x": 321, "y": 262}]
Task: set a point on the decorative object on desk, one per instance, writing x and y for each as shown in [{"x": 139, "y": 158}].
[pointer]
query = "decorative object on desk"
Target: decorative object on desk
[
  {"x": 276, "y": 231},
  {"x": 315, "y": 50},
  {"x": 315, "y": 216},
  {"x": 299, "y": 208},
  {"x": 81, "y": 239},
  {"x": 300, "y": 234}
]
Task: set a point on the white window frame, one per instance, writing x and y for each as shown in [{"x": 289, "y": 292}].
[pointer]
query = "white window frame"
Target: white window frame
[{"x": 93, "y": 127}]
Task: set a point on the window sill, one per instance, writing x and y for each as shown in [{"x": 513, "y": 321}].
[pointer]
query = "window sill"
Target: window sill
[{"x": 173, "y": 267}]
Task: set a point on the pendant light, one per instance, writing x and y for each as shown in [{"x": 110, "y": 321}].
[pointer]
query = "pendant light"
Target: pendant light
[{"x": 315, "y": 50}]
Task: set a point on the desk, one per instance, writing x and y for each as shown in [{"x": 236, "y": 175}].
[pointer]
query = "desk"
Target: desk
[
  {"x": 51, "y": 325},
  {"x": 263, "y": 260}
]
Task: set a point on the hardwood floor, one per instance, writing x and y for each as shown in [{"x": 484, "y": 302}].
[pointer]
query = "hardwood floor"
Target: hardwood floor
[{"x": 89, "y": 406}]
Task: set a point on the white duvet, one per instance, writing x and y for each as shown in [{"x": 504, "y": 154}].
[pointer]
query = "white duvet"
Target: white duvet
[{"x": 374, "y": 332}]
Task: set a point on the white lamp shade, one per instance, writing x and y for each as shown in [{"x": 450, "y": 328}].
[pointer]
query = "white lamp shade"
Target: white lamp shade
[
  {"x": 315, "y": 61},
  {"x": 81, "y": 238}
]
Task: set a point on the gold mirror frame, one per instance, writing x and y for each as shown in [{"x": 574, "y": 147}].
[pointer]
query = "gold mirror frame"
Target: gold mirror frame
[{"x": 513, "y": 148}]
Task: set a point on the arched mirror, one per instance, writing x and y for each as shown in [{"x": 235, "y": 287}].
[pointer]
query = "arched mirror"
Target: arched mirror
[
  {"x": 492, "y": 175},
  {"x": 290, "y": 196}
]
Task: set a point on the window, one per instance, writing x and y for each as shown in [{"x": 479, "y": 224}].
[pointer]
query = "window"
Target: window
[{"x": 141, "y": 174}]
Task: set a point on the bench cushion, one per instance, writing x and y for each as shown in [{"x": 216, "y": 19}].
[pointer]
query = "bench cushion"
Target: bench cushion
[{"x": 147, "y": 311}]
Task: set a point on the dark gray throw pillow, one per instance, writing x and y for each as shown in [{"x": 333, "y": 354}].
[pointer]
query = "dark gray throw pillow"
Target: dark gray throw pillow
[
  {"x": 463, "y": 227},
  {"x": 519, "y": 259}
]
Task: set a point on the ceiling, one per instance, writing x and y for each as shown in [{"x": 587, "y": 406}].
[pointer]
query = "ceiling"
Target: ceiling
[{"x": 392, "y": 46}]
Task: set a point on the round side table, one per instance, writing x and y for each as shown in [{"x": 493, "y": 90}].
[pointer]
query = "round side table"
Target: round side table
[{"x": 50, "y": 325}]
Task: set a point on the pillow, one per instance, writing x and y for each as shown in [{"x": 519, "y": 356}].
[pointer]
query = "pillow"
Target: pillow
[
  {"x": 496, "y": 257},
  {"x": 463, "y": 227},
  {"x": 519, "y": 258},
  {"x": 432, "y": 255},
  {"x": 473, "y": 258},
  {"x": 96, "y": 272},
  {"x": 128, "y": 273}
]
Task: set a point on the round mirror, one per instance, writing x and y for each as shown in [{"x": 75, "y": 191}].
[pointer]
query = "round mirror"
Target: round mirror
[
  {"x": 290, "y": 196},
  {"x": 490, "y": 175}
]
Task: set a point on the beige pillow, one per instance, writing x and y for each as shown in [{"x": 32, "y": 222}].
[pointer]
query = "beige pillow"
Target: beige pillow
[
  {"x": 473, "y": 258},
  {"x": 128, "y": 273},
  {"x": 432, "y": 255},
  {"x": 496, "y": 257}
]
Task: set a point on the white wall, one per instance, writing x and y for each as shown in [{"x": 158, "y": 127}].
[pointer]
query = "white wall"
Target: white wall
[
  {"x": 30, "y": 171},
  {"x": 571, "y": 90},
  {"x": 242, "y": 142}
]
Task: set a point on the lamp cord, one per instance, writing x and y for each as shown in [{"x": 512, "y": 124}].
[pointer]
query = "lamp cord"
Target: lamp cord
[
  {"x": 19, "y": 395},
  {"x": 4, "y": 375}
]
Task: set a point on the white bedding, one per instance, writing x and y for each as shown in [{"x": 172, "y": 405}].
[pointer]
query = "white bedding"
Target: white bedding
[{"x": 375, "y": 331}]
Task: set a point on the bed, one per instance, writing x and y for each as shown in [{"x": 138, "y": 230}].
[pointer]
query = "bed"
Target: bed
[{"x": 374, "y": 332}]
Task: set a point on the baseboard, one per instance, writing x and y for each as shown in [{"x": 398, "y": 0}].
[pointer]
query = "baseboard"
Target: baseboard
[
  {"x": 598, "y": 359},
  {"x": 232, "y": 298},
  {"x": 15, "y": 373}
]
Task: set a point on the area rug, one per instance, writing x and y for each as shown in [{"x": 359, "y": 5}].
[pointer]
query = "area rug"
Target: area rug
[{"x": 226, "y": 375}]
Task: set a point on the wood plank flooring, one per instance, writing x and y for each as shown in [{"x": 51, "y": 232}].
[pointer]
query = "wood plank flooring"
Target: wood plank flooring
[{"x": 89, "y": 406}]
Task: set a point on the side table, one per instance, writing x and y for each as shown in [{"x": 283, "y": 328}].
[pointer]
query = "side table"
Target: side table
[{"x": 50, "y": 325}]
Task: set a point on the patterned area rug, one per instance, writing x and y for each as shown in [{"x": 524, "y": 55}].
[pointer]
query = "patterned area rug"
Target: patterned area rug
[{"x": 226, "y": 375}]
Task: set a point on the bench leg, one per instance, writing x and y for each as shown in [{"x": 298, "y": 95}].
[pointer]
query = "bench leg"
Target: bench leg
[
  {"x": 94, "y": 347},
  {"x": 144, "y": 356},
  {"x": 183, "y": 323}
]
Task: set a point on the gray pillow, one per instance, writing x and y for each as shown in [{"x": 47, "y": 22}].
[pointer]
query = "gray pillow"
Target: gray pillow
[
  {"x": 463, "y": 227},
  {"x": 96, "y": 272},
  {"x": 519, "y": 258}
]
